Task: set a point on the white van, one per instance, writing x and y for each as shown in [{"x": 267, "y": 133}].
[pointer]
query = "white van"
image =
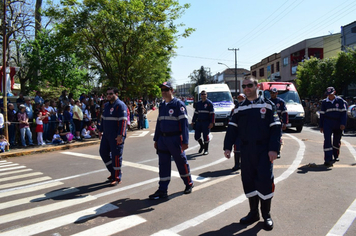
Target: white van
[{"x": 220, "y": 96}]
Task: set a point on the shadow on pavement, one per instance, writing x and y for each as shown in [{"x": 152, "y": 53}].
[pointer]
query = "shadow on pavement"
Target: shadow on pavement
[
  {"x": 218, "y": 173},
  {"x": 234, "y": 228},
  {"x": 312, "y": 167},
  {"x": 128, "y": 207}
]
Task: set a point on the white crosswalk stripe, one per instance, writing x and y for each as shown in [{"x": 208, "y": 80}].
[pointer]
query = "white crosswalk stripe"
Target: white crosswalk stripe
[
  {"x": 37, "y": 198},
  {"x": 113, "y": 227},
  {"x": 61, "y": 221}
]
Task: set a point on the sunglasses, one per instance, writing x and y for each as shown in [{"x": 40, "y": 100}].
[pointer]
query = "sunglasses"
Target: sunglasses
[
  {"x": 109, "y": 93},
  {"x": 203, "y": 94},
  {"x": 165, "y": 89},
  {"x": 247, "y": 85}
]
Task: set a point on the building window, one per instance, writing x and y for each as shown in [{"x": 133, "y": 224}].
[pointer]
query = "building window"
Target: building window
[
  {"x": 272, "y": 68},
  {"x": 254, "y": 73},
  {"x": 285, "y": 61},
  {"x": 277, "y": 66},
  {"x": 353, "y": 30},
  {"x": 262, "y": 72}
]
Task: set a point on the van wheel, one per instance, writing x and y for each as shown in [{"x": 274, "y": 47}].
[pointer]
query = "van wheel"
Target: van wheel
[{"x": 299, "y": 129}]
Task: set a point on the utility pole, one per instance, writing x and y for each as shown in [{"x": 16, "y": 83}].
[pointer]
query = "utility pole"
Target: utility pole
[{"x": 235, "y": 49}]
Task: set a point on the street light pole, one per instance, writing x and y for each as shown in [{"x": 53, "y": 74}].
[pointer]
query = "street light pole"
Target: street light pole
[
  {"x": 235, "y": 49},
  {"x": 4, "y": 96}
]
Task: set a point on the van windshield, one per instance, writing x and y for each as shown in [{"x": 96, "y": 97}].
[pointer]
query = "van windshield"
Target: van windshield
[
  {"x": 219, "y": 96},
  {"x": 287, "y": 95}
]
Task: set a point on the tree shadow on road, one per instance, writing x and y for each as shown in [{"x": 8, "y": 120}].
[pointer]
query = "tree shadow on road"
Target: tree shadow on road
[
  {"x": 234, "y": 228},
  {"x": 313, "y": 167}
]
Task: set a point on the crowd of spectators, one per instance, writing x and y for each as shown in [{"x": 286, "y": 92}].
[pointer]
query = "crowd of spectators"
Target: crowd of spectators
[{"x": 39, "y": 121}]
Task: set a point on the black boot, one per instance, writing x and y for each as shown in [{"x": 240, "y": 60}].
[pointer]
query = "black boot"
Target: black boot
[
  {"x": 206, "y": 147},
  {"x": 237, "y": 157},
  {"x": 265, "y": 209},
  {"x": 253, "y": 215},
  {"x": 200, "y": 141}
]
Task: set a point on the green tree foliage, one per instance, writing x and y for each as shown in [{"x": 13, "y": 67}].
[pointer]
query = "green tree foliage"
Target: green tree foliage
[
  {"x": 345, "y": 69},
  {"x": 315, "y": 75},
  {"x": 201, "y": 76},
  {"x": 130, "y": 43},
  {"x": 57, "y": 62}
]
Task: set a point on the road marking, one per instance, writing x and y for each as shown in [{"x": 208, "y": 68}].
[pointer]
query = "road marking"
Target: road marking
[
  {"x": 28, "y": 190},
  {"x": 113, "y": 227},
  {"x": 139, "y": 134},
  {"x": 351, "y": 149},
  {"x": 226, "y": 206},
  {"x": 14, "y": 172},
  {"x": 345, "y": 221},
  {"x": 54, "y": 180},
  {"x": 8, "y": 164},
  {"x": 165, "y": 233},
  {"x": 45, "y": 209},
  {"x": 37, "y": 198},
  {"x": 139, "y": 166},
  {"x": 60, "y": 221},
  {"x": 20, "y": 176},
  {"x": 24, "y": 183},
  {"x": 13, "y": 168}
]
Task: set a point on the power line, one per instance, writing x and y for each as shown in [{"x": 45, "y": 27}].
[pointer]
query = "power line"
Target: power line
[{"x": 323, "y": 22}]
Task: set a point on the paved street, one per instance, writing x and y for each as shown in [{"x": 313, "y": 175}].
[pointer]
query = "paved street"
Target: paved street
[{"x": 64, "y": 192}]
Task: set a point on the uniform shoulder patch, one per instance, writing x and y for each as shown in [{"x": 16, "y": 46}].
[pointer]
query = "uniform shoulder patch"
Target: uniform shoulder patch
[{"x": 182, "y": 109}]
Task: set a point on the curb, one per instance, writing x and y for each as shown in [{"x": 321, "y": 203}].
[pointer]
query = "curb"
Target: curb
[{"x": 49, "y": 148}]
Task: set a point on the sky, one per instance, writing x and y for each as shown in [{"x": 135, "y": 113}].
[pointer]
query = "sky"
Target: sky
[{"x": 258, "y": 28}]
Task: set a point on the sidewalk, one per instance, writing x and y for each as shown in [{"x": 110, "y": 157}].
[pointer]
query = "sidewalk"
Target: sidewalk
[{"x": 24, "y": 151}]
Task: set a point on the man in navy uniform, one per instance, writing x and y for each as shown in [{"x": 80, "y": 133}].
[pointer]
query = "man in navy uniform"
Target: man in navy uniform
[
  {"x": 112, "y": 134},
  {"x": 255, "y": 122},
  {"x": 281, "y": 110},
  {"x": 203, "y": 120},
  {"x": 333, "y": 118},
  {"x": 170, "y": 140}
]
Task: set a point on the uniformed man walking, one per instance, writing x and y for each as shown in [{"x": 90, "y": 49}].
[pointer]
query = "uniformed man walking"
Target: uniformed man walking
[
  {"x": 281, "y": 110},
  {"x": 170, "y": 140},
  {"x": 112, "y": 134},
  {"x": 203, "y": 120},
  {"x": 257, "y": 125},
  {"x": 333, "y": 116}
]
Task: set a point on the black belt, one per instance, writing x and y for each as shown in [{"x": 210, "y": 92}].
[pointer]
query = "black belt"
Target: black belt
[{"x": 169, "y": 134}]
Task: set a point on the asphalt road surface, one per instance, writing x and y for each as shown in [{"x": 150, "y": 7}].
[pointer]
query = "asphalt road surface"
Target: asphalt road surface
[{"x": 66, "y": 193}]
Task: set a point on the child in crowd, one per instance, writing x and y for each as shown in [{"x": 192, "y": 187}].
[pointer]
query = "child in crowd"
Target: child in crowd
[
  {"x": 93, "y": 129},
  {"x": 3, "y": 143},
  {"x": 63, "y": 134},
  {"x": 39, "y": 128},
  {"x": 85, "y": 133},
  {"x": 56, "y": 137}
]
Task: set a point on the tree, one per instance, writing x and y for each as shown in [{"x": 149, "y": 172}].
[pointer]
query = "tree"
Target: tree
[
  {"x": 345, "y": 70},
  {"x": 130, "y": 42},
  {"x": 314, "y": 75},
  {"x": 57, "y": 61},
  {"x": 201, "y": 76}
]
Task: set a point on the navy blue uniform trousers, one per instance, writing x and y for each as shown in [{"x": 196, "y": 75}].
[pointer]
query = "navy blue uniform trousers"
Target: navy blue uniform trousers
[
  {"x": 168, "y": 147},
  {"x": 113, "y": 159}
]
